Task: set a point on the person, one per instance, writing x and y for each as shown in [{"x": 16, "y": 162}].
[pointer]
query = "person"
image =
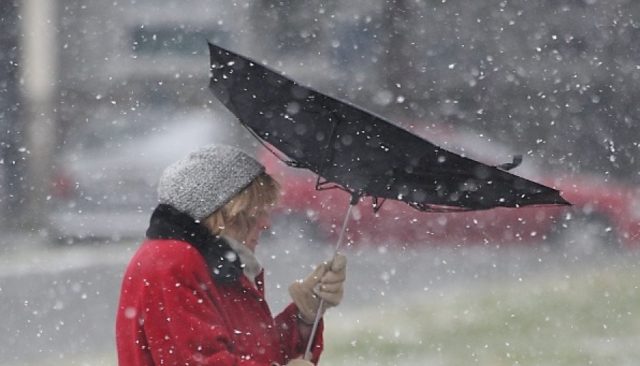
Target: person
[{"x": 193, "y": 293}]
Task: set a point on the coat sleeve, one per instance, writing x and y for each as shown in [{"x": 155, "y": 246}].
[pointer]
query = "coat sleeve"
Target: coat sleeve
[
  {"x": 294, "y": 345},
  {"x": 184, "y": 327}
]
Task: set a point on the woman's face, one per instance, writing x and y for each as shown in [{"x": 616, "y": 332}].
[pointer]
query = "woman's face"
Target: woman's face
[{"x": 261, "y": 222}]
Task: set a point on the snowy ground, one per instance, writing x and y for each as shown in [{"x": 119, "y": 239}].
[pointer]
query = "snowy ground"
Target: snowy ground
[
  {"x": 563, "y": 316},
  {"x": 438, "y": 306}
]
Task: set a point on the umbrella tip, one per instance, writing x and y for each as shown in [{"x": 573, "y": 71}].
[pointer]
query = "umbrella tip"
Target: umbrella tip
[{"x": 563, "y": 202}]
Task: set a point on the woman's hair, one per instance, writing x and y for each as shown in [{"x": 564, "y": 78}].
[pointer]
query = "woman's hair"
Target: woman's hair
[{"x": 238, "y": 215}]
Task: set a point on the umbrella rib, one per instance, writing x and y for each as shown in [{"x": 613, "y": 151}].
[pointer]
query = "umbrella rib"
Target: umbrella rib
[
  {"x": 327, "y": 147},
  {"x": 376, "y": 206},
  {"x": 328, "y": 185},
  {"x": 290, "y": 162}
]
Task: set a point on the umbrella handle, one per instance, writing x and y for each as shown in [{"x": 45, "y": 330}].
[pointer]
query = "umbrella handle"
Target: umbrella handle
[
  {"x": 316, "y": 321},
  {"x": 312, "y": 335}
]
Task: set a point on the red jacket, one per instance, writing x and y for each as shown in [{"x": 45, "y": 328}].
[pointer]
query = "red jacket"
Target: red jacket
[{"x": 173, "y": 312}]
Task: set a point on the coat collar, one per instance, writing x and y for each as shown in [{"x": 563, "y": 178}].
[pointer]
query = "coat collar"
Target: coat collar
[
  {"x": 169, "y": 223},
  {"x": 250, "y": 265}
]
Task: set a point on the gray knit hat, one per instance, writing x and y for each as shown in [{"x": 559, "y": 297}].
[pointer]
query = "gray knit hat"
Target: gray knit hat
[{"x": 207, "y": 179}]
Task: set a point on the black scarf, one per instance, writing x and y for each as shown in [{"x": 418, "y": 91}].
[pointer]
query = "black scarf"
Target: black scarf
[{"x": 168, "y": 223}]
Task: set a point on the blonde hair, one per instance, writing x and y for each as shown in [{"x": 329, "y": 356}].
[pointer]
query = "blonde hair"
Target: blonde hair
[{"x": 238, "y": 215}]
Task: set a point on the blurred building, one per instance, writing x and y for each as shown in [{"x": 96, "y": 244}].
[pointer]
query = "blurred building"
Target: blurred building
[
  {"x": 129, "y": 56},
  {"x": 546, "y": 75},
  {"x": 12, "y": 188},
  {"x": 557, "y": 78}
]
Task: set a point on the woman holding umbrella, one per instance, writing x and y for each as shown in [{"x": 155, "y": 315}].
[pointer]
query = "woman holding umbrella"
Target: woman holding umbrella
[{"x": 193, "y": 293}]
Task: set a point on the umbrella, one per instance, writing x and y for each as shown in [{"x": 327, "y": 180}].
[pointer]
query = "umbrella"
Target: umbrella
[
  {"x": 355, "y": 150},
  {"x": 359, "y": 152}
]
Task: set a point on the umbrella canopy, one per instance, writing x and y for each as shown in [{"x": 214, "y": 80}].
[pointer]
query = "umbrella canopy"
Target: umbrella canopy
[{"x": 358, "y": 151}]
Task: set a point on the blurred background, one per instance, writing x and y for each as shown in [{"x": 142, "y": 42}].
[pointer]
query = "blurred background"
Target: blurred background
[{"x": 96, "y": 98}]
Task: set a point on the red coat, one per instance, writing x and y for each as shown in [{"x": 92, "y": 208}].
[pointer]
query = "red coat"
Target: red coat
[{"x": 172, "y": 312}]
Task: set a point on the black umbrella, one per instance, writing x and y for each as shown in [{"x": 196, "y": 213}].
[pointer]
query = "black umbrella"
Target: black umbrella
[{"x": 359, "y": 152}]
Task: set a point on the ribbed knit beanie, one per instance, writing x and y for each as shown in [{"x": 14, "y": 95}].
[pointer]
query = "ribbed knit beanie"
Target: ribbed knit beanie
[{"x": 207, "y": 179}]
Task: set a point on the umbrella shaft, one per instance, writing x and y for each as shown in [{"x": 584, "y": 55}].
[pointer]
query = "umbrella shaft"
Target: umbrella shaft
[
  {"x": 316, "y": 321},
  {"x": 344, "y": 229}
]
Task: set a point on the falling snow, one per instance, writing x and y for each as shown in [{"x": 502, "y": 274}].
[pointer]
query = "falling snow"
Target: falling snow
[{"x": 97, "y": 97}]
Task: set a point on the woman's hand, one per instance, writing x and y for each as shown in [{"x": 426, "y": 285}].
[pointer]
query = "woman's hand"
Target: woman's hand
[{"x": 326, "y": 283}]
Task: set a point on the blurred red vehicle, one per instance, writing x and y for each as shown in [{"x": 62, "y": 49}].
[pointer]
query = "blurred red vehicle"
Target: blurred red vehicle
[{"x": 604, "y": 214}]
